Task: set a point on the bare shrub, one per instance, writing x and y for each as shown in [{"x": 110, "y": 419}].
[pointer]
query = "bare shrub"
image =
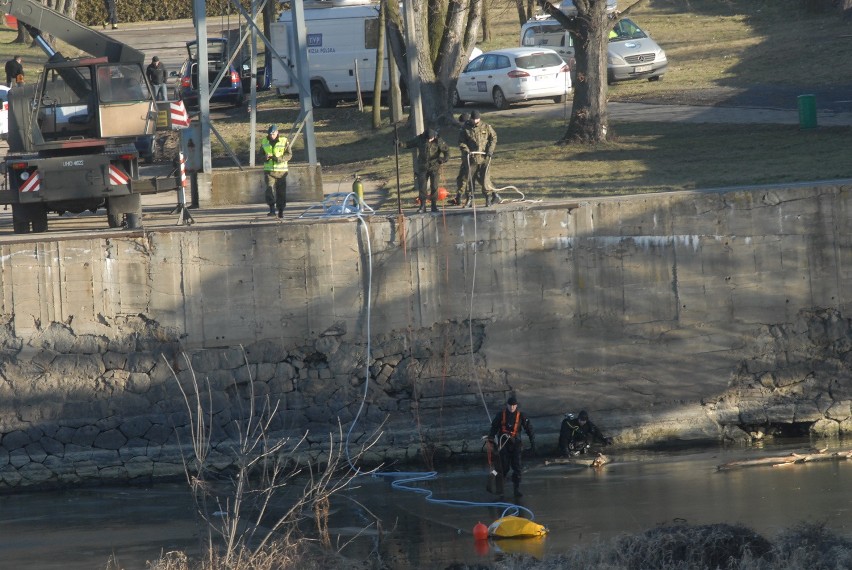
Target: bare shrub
[
  {"x": 235, "y": 507},
  {"x": 812, "y": 546}
]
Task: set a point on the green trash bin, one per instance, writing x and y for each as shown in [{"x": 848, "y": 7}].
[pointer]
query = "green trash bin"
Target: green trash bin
[{"x": 807, "y": 112}]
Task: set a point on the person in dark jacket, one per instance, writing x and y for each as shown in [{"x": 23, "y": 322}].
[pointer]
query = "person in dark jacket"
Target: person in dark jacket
[
  {"x": 576, "y": 434},
  {"x": 157, "y": 75},
  {"x": 505, "y": 433},
  {"x": 432, "y": 152},
  {"x": 14, "y": 68}
]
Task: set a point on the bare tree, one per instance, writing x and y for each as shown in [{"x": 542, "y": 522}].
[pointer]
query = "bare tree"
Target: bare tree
[
  {"x": 590, "y": 28},
  {"x": 445, "y": 34},
  {"x": 236, "y": 510}
]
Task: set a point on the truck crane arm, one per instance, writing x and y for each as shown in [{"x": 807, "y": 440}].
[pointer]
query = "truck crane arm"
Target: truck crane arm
[{"x": 39, "y": 19}]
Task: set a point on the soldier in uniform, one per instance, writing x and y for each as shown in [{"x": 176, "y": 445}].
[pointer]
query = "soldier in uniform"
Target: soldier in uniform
[
  {"x": 462, "y": 178},
  {"x": 432, "y": 152},
  {"x": 479, "y": 139}
]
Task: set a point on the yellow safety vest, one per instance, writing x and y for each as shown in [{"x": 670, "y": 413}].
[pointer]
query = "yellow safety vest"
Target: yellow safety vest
[{"x": 276, "y": 151}]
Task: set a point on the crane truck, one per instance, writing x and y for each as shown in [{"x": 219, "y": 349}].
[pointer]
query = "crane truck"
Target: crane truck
[{"x": 72, "y": 132}]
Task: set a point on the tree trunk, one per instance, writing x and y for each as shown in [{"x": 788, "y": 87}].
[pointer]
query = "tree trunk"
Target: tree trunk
[
  {"x": 589, "y": 120},
  {"x": 522, "y": 14},
  {"x": 380, "y": 61},
  {"x": 486, "y": 21},
  {"x": 439, "y": 68}
]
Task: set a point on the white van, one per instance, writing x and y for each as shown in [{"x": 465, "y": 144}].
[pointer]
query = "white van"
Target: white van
[
  {"x": 631, "y": 53},
  {"x": 339, "y": 33}
]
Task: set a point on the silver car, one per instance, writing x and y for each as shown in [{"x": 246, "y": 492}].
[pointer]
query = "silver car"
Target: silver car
[
  {"x": 505, "y": 76},
  {"x": 631, "y": 54}
]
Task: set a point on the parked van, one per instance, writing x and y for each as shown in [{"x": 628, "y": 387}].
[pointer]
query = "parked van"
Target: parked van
[
  {"x": 631, "y": 53},
  {"x": 339, "y": 33}
]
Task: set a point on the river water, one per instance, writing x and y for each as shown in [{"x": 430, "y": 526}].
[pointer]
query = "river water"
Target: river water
[{"x": 83, "y": 528}]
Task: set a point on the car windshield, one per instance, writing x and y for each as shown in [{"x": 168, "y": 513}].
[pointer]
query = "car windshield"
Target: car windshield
[
  {"x": 626, "y": 30},
  {"x": 538, "y": 60}
]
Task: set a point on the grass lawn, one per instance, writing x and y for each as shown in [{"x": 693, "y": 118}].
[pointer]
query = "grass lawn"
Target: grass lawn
[{"x": 719, "y": 50}]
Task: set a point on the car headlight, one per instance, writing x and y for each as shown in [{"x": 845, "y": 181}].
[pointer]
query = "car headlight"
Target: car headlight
[
  {"x": 662, "y": 56},
  {"x": 612, "y": 59}
]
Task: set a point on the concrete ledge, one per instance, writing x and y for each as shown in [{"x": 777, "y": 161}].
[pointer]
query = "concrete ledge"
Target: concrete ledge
[{"x": 232, "y": 186}]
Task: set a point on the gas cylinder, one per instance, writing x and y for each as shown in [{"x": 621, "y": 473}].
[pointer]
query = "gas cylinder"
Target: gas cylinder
[{"x": 358, "y": 188}]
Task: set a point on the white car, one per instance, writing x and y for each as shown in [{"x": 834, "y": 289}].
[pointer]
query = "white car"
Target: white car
[
  {"x": 509, "y": 75},
  {"x": 4, "y": 112}
]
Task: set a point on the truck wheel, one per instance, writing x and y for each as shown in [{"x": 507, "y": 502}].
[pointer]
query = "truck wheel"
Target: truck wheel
[
  {"x": 320, "y": 97},
  {"x": 29, "y": 217},
  {"x": 133, "y": 221},
  {"x": 114, "y": 220},
  {"x": 39, "y": 220}
]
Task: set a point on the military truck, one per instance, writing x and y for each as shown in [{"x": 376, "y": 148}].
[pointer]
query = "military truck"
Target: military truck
[{"x": 72, "y": 131}]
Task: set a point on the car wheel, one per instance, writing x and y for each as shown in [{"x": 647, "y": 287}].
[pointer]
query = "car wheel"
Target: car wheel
[
  {"x": 500, "y": 99},
  {"x": 320, "y": 97},
  {"x": 559, "y": 99},
  {"x": 456, "y": 100},
  {"x": 655, "y": 78}
]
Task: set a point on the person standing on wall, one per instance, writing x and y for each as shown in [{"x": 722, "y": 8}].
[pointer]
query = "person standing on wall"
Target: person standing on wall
[
  {"x": 432, "y": 152},
  {"x": 479, "y": 139},
  {"x": 462, "y": 178},
  {"x": 156, "y": 73},
  {"x": 506, "y": 434},
  {"x": 14, "y": 68},
  {"x": 277, "y": 151},
  {"x": 112, "y": 14}
]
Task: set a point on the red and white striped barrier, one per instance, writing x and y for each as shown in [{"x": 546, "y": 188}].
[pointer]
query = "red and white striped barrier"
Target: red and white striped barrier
[
  {"x": 32, "y": 184},
  {"x": 117, "y": 177},
  {"x": 182, "y": 160},
  {"x": 179, "y": 117}
]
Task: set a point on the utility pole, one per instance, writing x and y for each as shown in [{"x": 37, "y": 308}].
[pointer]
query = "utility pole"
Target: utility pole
[
  {"x": 413, "y": 72},
  {"x": 304, "y": 76},
  {"x": 199, "y": 15}
]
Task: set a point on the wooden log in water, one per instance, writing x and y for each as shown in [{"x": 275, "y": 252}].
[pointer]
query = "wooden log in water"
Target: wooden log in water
[
  {"x": 809, "y": 456},
  {"x": 598, "y": 461}
]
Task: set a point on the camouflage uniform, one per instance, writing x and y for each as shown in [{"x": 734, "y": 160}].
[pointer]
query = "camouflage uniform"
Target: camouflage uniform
[
  {"x": 479, "y": 137},
  {"x": 431, "y": 154},
  {"x": 462, "y": 178}
]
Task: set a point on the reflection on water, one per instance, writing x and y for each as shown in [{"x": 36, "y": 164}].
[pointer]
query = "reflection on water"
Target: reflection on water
[{"x": 82, "y": 528}]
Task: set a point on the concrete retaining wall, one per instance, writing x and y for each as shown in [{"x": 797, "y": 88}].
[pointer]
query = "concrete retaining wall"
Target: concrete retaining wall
[
  {"x": 232, "y": 186},
  {"x": 680, "y": 316}
]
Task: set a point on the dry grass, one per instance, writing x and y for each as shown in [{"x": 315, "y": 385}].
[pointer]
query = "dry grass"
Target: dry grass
[{"x": 718, "y": 50}]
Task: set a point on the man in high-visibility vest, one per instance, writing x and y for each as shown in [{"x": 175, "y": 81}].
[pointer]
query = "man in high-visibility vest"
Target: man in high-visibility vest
[
  {"x": 506, "y": 435},
  {"x": 277, "y": 152}
]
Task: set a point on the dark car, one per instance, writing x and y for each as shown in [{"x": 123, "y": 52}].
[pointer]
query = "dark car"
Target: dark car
[{"x": 230, "y": 89}]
